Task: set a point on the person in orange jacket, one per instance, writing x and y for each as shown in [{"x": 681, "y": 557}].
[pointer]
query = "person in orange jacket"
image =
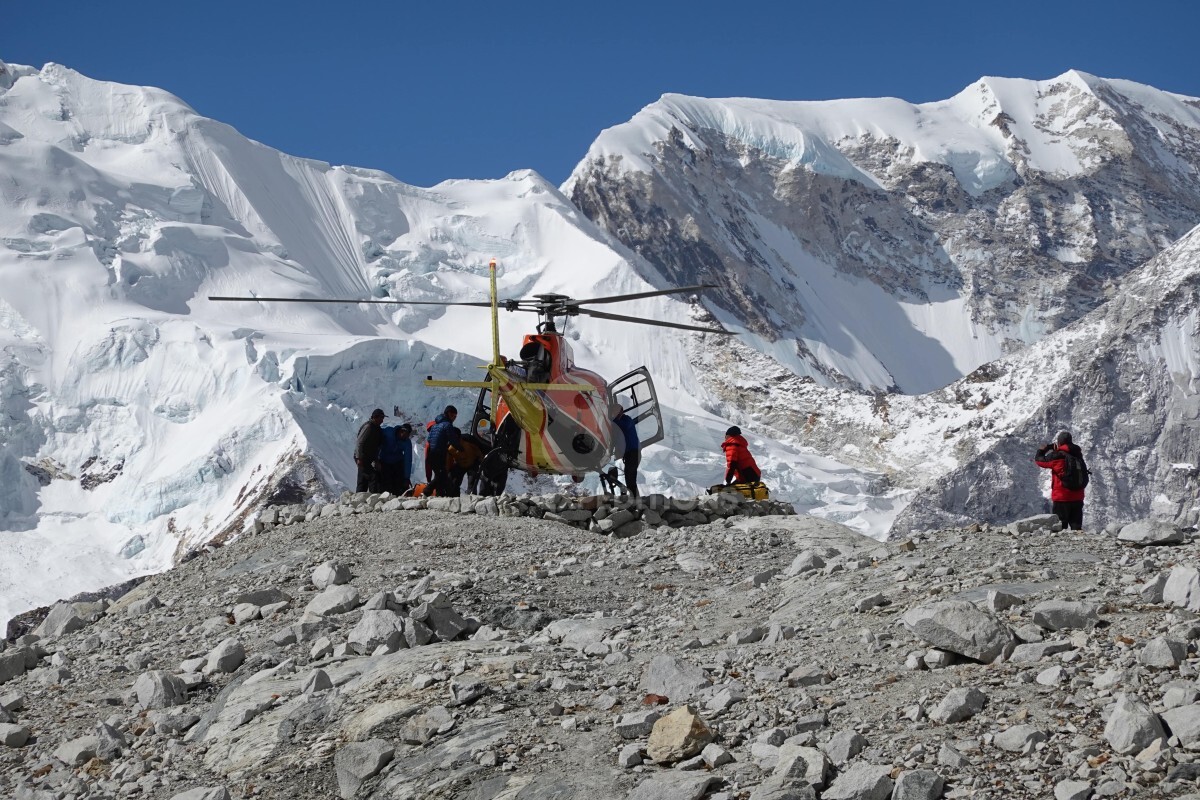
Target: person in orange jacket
[{"x": 740, "y": 466}]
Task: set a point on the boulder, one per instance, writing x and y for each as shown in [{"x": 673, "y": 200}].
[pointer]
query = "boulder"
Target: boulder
[
  {"x": 861, "y": 782},
  {"x": 61, "y": 620},
  {"x": 158, "y": 689},
  {"x": 960, "y": 627},
  {"x": 225, "y": 657},
  {"x": 679, "y": 735},
  {"x": 1183, "y": 588},
  {"x": 204, "y": 793},
  {"x": 331, "y": 573},
  {"x": 1057, "y": 615},
  {"x": 1132, "y": 726},
  {"x": 918, "y": 784},
  {"x": 673, "y": 786},
  {"x": 337, "y": 599},
  {"x": 673, "y": 678},
  {"x": 12, "y": 735},
  {"x": 1020, "y": 738},
  {"x": 959, "y": 704},
  {"x": 357, "y": 762},
  {"x": 1184, "y": 722},
  {"x": 377, "y": 629},
  {"x": 77, "y": 752},
  {"x": 1163, "y": 653},
  {"x": 1148, "y": 532}
]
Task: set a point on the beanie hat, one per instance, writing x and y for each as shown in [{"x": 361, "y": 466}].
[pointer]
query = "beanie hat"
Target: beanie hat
[
  {"x": 1062, "y": 437},
  {"x": 734, "y": 431}
]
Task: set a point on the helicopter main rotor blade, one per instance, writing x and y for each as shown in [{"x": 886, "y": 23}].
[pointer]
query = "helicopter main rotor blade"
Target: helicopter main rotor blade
[
  {"x": 481, "y": 304},
  {"x": 617, "y": 298},
  {"x": 659, "y": 323}
]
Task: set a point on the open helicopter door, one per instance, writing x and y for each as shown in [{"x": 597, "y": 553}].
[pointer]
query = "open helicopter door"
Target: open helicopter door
[{"x": 635, "y": 392}]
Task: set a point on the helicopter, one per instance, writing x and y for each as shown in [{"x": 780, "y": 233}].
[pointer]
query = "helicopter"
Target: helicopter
[{"x": 541, "y": 413}]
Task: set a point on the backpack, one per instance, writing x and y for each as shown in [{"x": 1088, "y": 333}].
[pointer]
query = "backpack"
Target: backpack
[
  {"x": 1076, "y": 475},
  {"x": 389, "y": 451}
]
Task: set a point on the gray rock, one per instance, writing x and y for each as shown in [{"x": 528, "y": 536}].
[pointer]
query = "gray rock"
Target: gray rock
[
  {"x": 331, "y": 573},
  {"x": 673, "y": 786},
  {"x": 960, "y": 627},
  {"x": 264, "y": 597},
  {"x": 636, "y": 724},
  {"x": 225, "y": 657},
  {"x": 1057, "y": 615},
  {"x": 204, "y": 793},
  {"x": 12, "y": 665},
  {"x": 62, "y": 619},
  {"x": 1072, "y": 790},
  {"x": 337, "y": 599},
  {"x": 918, "y": 784},
  {"x": 1163, "y": 653},
  {"x": 77, "y": 752},
  {"x": 140, "y": 608},
  {"x": 377, "y": 629},
  {"x": 807, "y": 561},
  {"x": 1177, "y": 696},
  {"x": 416, "y": 633},
  {"x": 715, "y": 756},
  {"x": 959, "y": 704},
  {"x": 1148, "y": 532},
  {"x": 1132, "y": 726},
  {"x": 357, "y": 762},
  {"x": 1183, "y": 588},
  {"x": 110, "y": 742},
  {"x": 672, "y": 677},
  {"x": 844, "y": 746},
  {"x": 246, "y": 612},
  {"x": 1001, "y": 601},
  {"x": 12, "y": 735},
  {"x": 1020, "y": 738},
  {"x": 158, "y": 689},
  {"x": 424, "y": 727},
  {"x": 1036, "y": 651},
  {"x": 861, "y": 782},
  {"x": 1184, "y": 723},
  {"x": 630, "y": 755}
]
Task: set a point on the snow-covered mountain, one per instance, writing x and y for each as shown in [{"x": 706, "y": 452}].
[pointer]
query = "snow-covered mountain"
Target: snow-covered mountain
[
  {"x": 884, "y": 245},
  {"x": 140, "y": 419},
  {"x": 857, "y": 246}
]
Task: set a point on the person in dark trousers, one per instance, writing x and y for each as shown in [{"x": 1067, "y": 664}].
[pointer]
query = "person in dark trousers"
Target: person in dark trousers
[
  {"x": 1066, "y": 504},
  {"x": 395, "y": 458},
  {"x": 366, "y": 452},
  {"x": 740, "y": 466},
  {"x": 627, "y": 445},
  {"x": 442, "y": 435}
]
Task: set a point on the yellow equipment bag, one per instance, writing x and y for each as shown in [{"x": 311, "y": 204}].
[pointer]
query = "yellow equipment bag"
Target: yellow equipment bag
[{"x": 755, "y": 491}]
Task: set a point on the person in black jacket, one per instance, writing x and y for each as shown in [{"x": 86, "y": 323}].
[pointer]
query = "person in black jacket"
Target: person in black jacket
[{"x": 366, "y": 452}]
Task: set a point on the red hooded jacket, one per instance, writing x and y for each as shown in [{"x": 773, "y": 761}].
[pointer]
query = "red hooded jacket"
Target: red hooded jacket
[
  {"x": 1057, "y": 466},
  {"x": 737, "y": 456}
]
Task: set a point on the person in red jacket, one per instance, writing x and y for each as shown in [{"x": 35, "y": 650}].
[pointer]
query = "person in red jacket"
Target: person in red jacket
[
  {"x": 1066, "y": 504},
  {"x": 739, "y": 464}
]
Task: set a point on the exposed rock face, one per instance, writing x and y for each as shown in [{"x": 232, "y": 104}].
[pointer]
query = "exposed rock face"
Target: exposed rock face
[{"x": 784, "y": 196}]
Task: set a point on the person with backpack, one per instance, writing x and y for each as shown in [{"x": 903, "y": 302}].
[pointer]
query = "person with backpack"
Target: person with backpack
[
  {"x": 366, "y": 452},
  {"x": 740, "y": 466},
  {"x": 442, "y": 435},
  {"x": 395, "y": 459},
  {"x": 1068, "y": 478}
]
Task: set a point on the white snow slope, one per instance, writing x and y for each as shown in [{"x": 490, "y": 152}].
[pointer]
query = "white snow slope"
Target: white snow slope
[{"x": 138, "y": 419}]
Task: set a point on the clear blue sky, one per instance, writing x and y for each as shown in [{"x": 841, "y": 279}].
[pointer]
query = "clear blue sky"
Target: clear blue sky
[{"x": 434, "y": 90}]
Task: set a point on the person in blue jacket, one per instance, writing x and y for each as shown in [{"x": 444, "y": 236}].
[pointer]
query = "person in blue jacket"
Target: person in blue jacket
[
  {"x": 395, "y": 459},
  {"x": 442, "y": 435},
  {"x": 627, "y": 446}
]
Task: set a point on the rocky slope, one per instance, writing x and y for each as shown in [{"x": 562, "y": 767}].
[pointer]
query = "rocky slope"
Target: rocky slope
[{"x": 749, "y": 657}]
